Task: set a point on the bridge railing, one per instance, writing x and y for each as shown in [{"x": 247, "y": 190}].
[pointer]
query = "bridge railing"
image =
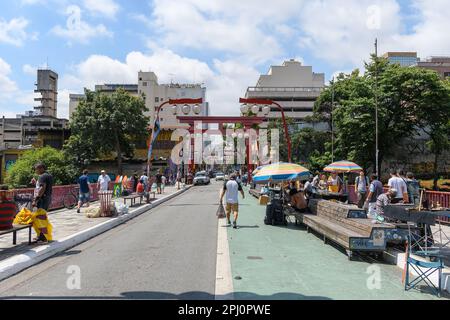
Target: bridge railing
[{"x": 443, "y": 198}]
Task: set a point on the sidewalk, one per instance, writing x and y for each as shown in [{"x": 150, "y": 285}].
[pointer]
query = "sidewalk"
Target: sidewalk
[
  {"x": 69, "y": 227},
  {"x": 280, "y": 262}
]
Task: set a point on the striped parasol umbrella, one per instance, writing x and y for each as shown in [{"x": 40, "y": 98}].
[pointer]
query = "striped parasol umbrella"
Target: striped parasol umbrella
[
  {"x": 280, "y": 172},
  {"x": 343, "y": 167},
  {"x": 257, "y": 170}
]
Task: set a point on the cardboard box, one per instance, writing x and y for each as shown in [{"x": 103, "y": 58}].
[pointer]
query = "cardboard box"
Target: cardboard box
[{"x": 263, "y": 200}]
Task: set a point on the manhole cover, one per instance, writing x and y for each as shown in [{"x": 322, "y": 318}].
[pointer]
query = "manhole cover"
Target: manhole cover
[{"x": 254, "y": 258}]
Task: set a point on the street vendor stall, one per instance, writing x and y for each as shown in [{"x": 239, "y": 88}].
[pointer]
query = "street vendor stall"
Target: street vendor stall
[{"x": 279, "y": 173}]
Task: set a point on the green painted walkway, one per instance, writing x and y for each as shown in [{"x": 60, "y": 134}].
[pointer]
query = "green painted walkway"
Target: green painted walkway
[{"x": 290, "y": 264}]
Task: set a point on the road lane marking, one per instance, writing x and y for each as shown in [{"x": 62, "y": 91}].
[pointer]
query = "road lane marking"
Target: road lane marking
[{"x": 224, "y": 281}]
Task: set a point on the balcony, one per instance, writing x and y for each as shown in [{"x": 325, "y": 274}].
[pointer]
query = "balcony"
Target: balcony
[
  {"x": 275, "y": 93},
  {"x": 284, "y": 89}
]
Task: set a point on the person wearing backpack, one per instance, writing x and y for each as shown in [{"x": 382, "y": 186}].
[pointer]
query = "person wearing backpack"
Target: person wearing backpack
[
  {"x": 413, "y": 187},
  {"x": 375, "y": 190},
  {"x": 361, "y": 187}
]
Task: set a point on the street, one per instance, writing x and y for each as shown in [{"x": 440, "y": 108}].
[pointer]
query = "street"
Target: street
[{"x": 166, "y": 253}]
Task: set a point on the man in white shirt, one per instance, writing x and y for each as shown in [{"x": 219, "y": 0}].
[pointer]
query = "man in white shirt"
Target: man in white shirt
[
  {"x": 144, "y": 179},
  {"x": 103, "y": 181},
  {"x": 231, "y": 188},
  {"x": 398, "y": 184}
]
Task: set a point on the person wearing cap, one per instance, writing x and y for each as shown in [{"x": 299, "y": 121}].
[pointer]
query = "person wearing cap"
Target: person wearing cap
[{"x": 103, "y": 181}]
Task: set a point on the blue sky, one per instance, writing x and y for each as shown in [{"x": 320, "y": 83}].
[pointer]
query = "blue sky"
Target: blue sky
[{"x": 225, "y": 44}]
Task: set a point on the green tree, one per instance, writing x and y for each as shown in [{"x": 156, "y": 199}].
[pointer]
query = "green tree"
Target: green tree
[
  {"x": 106, "y": 124},
  {"x": 404, "y": 96},
  {"x": 21, "y": 173},
  {"x": 434, "y": 118}
]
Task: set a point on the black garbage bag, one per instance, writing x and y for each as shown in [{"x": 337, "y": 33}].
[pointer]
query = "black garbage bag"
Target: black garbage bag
[{"x": 221, "y": 212}]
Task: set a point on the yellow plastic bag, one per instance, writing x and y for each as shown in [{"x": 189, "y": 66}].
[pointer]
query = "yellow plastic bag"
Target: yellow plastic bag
[
  {"x": 41, "y": 224},
  {"x": 24, "y": 217}
]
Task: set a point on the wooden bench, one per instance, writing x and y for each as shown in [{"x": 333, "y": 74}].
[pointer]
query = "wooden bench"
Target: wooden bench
[
  {"x": 255, "y": 193},
  {"x": 132, "y": 198},
  {"x": 348, "y": 226},
  {"x": 17, "y": 227}
]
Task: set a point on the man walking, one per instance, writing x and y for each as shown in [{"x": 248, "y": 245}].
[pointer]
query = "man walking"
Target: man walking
[
  {"x": 361, "y": 186},
  {"x": 231, "y": 188},
  {"x": 103, "y": 181},
  {"x": 413, "y": 187},
  {"x": 399, "y": 185},
  {"x": 43, "y": 192},
  {"x": 85, "y": 188},
  {"x": 375, "y": 190},
  {"x": 144, "y": 179},
  {"x": 159, "y": 182}
]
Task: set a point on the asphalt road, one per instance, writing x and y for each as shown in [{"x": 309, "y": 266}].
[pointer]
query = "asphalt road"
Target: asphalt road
[{"x": 166, "y": 253}]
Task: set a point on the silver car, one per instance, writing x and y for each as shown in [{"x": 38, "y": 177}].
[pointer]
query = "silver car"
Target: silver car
[
  {"x": 220, "y": 176},
  {"x": 201, "y": 178}
]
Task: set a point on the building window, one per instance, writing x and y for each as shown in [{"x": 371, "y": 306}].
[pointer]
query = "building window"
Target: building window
[
  {"x": 144, "y": 84},
  {"x": 156, "y": 99},
  {"x": 446, "y": 74}
]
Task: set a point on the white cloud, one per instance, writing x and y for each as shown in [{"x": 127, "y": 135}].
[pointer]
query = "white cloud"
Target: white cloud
[
  {"x": 243, "y": 28},
  {"x": 14, "y": 31},
  {"x": 107, "y": 8},
  {"x": 7, "y": 86},
  {"x": 12, "y": 100},
  {"x": 343, "y": 33},
  {"x": 78, "y": 30},
  {"x": 430, "y": 35},
  {"x": 226, "y": 81},
  {"x": 29, "y": 70}
]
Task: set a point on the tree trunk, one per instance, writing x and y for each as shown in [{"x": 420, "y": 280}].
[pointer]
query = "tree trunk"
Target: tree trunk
[
  {"x": 435, "y": 172},
  {"x": 380, "y": 165},
  {"x": 119, "y": 155}
]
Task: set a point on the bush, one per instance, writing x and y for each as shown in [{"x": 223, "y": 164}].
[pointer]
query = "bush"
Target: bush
[{"x": 22, "y": 172}]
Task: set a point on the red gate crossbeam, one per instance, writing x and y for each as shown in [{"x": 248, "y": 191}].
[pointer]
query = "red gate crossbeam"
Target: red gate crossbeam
[{"x": 267, "y": 102}]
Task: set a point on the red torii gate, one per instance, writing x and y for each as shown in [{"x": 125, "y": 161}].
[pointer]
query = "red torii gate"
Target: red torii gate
[{"x": 247, "y": 122}]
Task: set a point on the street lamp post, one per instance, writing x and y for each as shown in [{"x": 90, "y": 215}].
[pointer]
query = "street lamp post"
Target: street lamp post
[
  {"x": 376, "y": 110},
  {"x": 332, "y": 122},
  {"x": 174, "y": 102},
  {"x": 264, "y": 102}
]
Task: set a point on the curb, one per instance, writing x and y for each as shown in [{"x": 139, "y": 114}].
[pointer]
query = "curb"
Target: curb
[
  {"x": 20, "y": 262},
  {"x": 224, "y": 278}
]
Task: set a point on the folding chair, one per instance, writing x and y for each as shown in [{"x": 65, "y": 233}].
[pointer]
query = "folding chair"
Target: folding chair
[{"x": 424, "y": 271}]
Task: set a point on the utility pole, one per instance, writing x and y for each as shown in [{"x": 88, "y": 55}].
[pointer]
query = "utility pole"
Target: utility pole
[{"x": 376, "y": 109}]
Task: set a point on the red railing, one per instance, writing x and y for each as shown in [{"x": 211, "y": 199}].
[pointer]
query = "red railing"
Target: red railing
[
  {"x": 58, "y": 194},
  {"x": 443, "y": 198}
]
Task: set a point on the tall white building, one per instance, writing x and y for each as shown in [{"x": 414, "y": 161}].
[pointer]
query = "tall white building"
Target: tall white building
[
  {"x": 156, "y": 94},
  {"x": 294, "y": 86}
]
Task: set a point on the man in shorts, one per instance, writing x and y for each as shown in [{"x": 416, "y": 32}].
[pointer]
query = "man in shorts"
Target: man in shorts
[
  {"x": 85, "y": 188},
  {"x": 232, "y": 188}
]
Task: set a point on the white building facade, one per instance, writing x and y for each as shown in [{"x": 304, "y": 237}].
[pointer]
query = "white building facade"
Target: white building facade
[
  {"x": 156, "y": 94},
  {"x": 294, "y": 86}
]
